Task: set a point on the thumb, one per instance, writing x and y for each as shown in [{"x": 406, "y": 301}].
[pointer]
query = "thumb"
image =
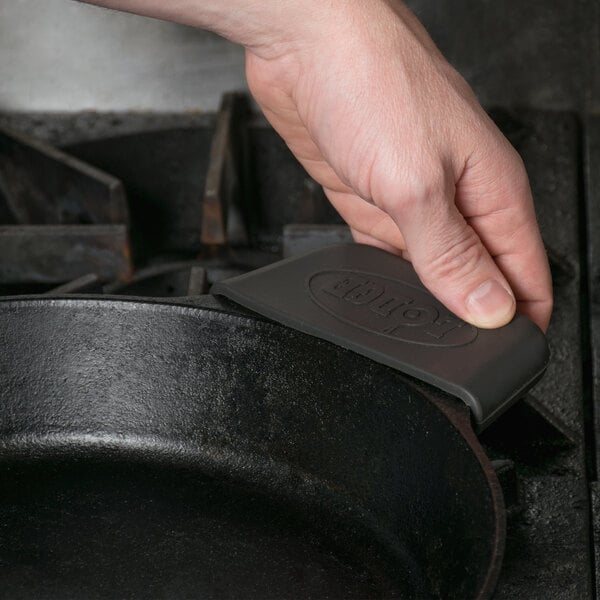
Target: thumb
[{"x": 451, "y": 260}]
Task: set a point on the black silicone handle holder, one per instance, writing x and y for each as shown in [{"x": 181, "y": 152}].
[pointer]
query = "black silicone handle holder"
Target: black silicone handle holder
[{"x": 372, "y": 302}]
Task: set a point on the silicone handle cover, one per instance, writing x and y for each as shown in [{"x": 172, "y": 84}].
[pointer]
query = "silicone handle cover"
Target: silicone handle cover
[{"x": 367, "y": 300}]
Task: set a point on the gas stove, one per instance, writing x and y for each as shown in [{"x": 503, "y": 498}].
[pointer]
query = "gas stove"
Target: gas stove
[{"x": 166, "y": 205}]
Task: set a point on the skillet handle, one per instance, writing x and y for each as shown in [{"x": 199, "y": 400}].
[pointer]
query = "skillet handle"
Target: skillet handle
[{"x": 372, "y": 302}]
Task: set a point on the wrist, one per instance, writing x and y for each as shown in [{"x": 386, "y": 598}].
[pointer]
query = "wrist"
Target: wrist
[
  {"x": 268, "y": 28},
  {"x": 265, "y": 27}
]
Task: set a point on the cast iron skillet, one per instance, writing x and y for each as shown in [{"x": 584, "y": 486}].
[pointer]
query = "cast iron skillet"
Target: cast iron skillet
[{"x": 154, "y": 450}]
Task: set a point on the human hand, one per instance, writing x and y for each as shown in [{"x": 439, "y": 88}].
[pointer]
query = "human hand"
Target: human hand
[
  {"x": 409, "y": 159},
  {"x": 396, "y": 137}
]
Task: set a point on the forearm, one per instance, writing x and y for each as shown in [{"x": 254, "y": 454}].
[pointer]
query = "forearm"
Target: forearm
[{"x": 267, "y": 27}]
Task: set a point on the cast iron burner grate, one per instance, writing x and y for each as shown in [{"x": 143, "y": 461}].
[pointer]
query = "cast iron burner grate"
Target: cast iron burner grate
[{"x": 164, "y": 206}]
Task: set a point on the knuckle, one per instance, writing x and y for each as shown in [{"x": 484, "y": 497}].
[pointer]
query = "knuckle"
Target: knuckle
[
  {"x": 519, "y": 173},
  {"x": 419, "y": 188},
  {"x": 515, "y": 167},
  {"x": 458, "y": 259}
]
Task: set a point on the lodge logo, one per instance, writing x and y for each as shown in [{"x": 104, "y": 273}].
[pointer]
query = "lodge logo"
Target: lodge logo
[{"x": 388, "y": 307}]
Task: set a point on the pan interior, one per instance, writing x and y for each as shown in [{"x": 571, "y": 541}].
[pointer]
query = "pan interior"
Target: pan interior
[{"x": 154, "y": 450}]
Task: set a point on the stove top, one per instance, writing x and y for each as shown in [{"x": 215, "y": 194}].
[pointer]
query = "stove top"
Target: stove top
[{"x": 166, "y": 205}]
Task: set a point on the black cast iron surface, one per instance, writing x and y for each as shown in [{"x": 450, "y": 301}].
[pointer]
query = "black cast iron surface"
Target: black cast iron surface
[{"x": 178, "y": 451}]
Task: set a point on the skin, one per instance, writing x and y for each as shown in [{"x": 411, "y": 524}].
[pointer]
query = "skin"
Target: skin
[{"x": 404, "y": 151}]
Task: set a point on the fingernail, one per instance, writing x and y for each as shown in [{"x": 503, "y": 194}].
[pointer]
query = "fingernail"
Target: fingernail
[{"x": 491, "y": 305}]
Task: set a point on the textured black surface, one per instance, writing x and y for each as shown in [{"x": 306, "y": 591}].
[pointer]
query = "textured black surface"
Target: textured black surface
[
  {"x": 66, "y": 128},
  {"x": 549, "y": 550},
  {"x": 592, "y": 180},
  {"x": 537, "y": 53},
  {"x": 593, "y": 232},
  {"x": 174, "y": 451}
]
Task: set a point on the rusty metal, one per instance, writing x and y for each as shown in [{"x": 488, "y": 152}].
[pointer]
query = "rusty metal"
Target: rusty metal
[
  {"x": 164, "y": 173},
  {"x": 55, "y": 254},
  {"x": 226, "y": 179},
  {"x": 40, "y": 184},
  {"x": 60, "y": 218}
]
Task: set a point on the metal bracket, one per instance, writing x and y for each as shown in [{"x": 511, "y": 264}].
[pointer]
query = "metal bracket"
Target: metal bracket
[{"x": 227, "y": 176}]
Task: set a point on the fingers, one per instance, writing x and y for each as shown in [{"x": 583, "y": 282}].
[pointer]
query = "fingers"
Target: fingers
[
  {"x": 369, "y": 224},
  {"x": 363, "y": 238},
  {"x": 449, "y": 256},
  {"x": 495, "y": 197},
  {"x": 521, "y": 257},
  {"x": 476, "y": 265}
]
